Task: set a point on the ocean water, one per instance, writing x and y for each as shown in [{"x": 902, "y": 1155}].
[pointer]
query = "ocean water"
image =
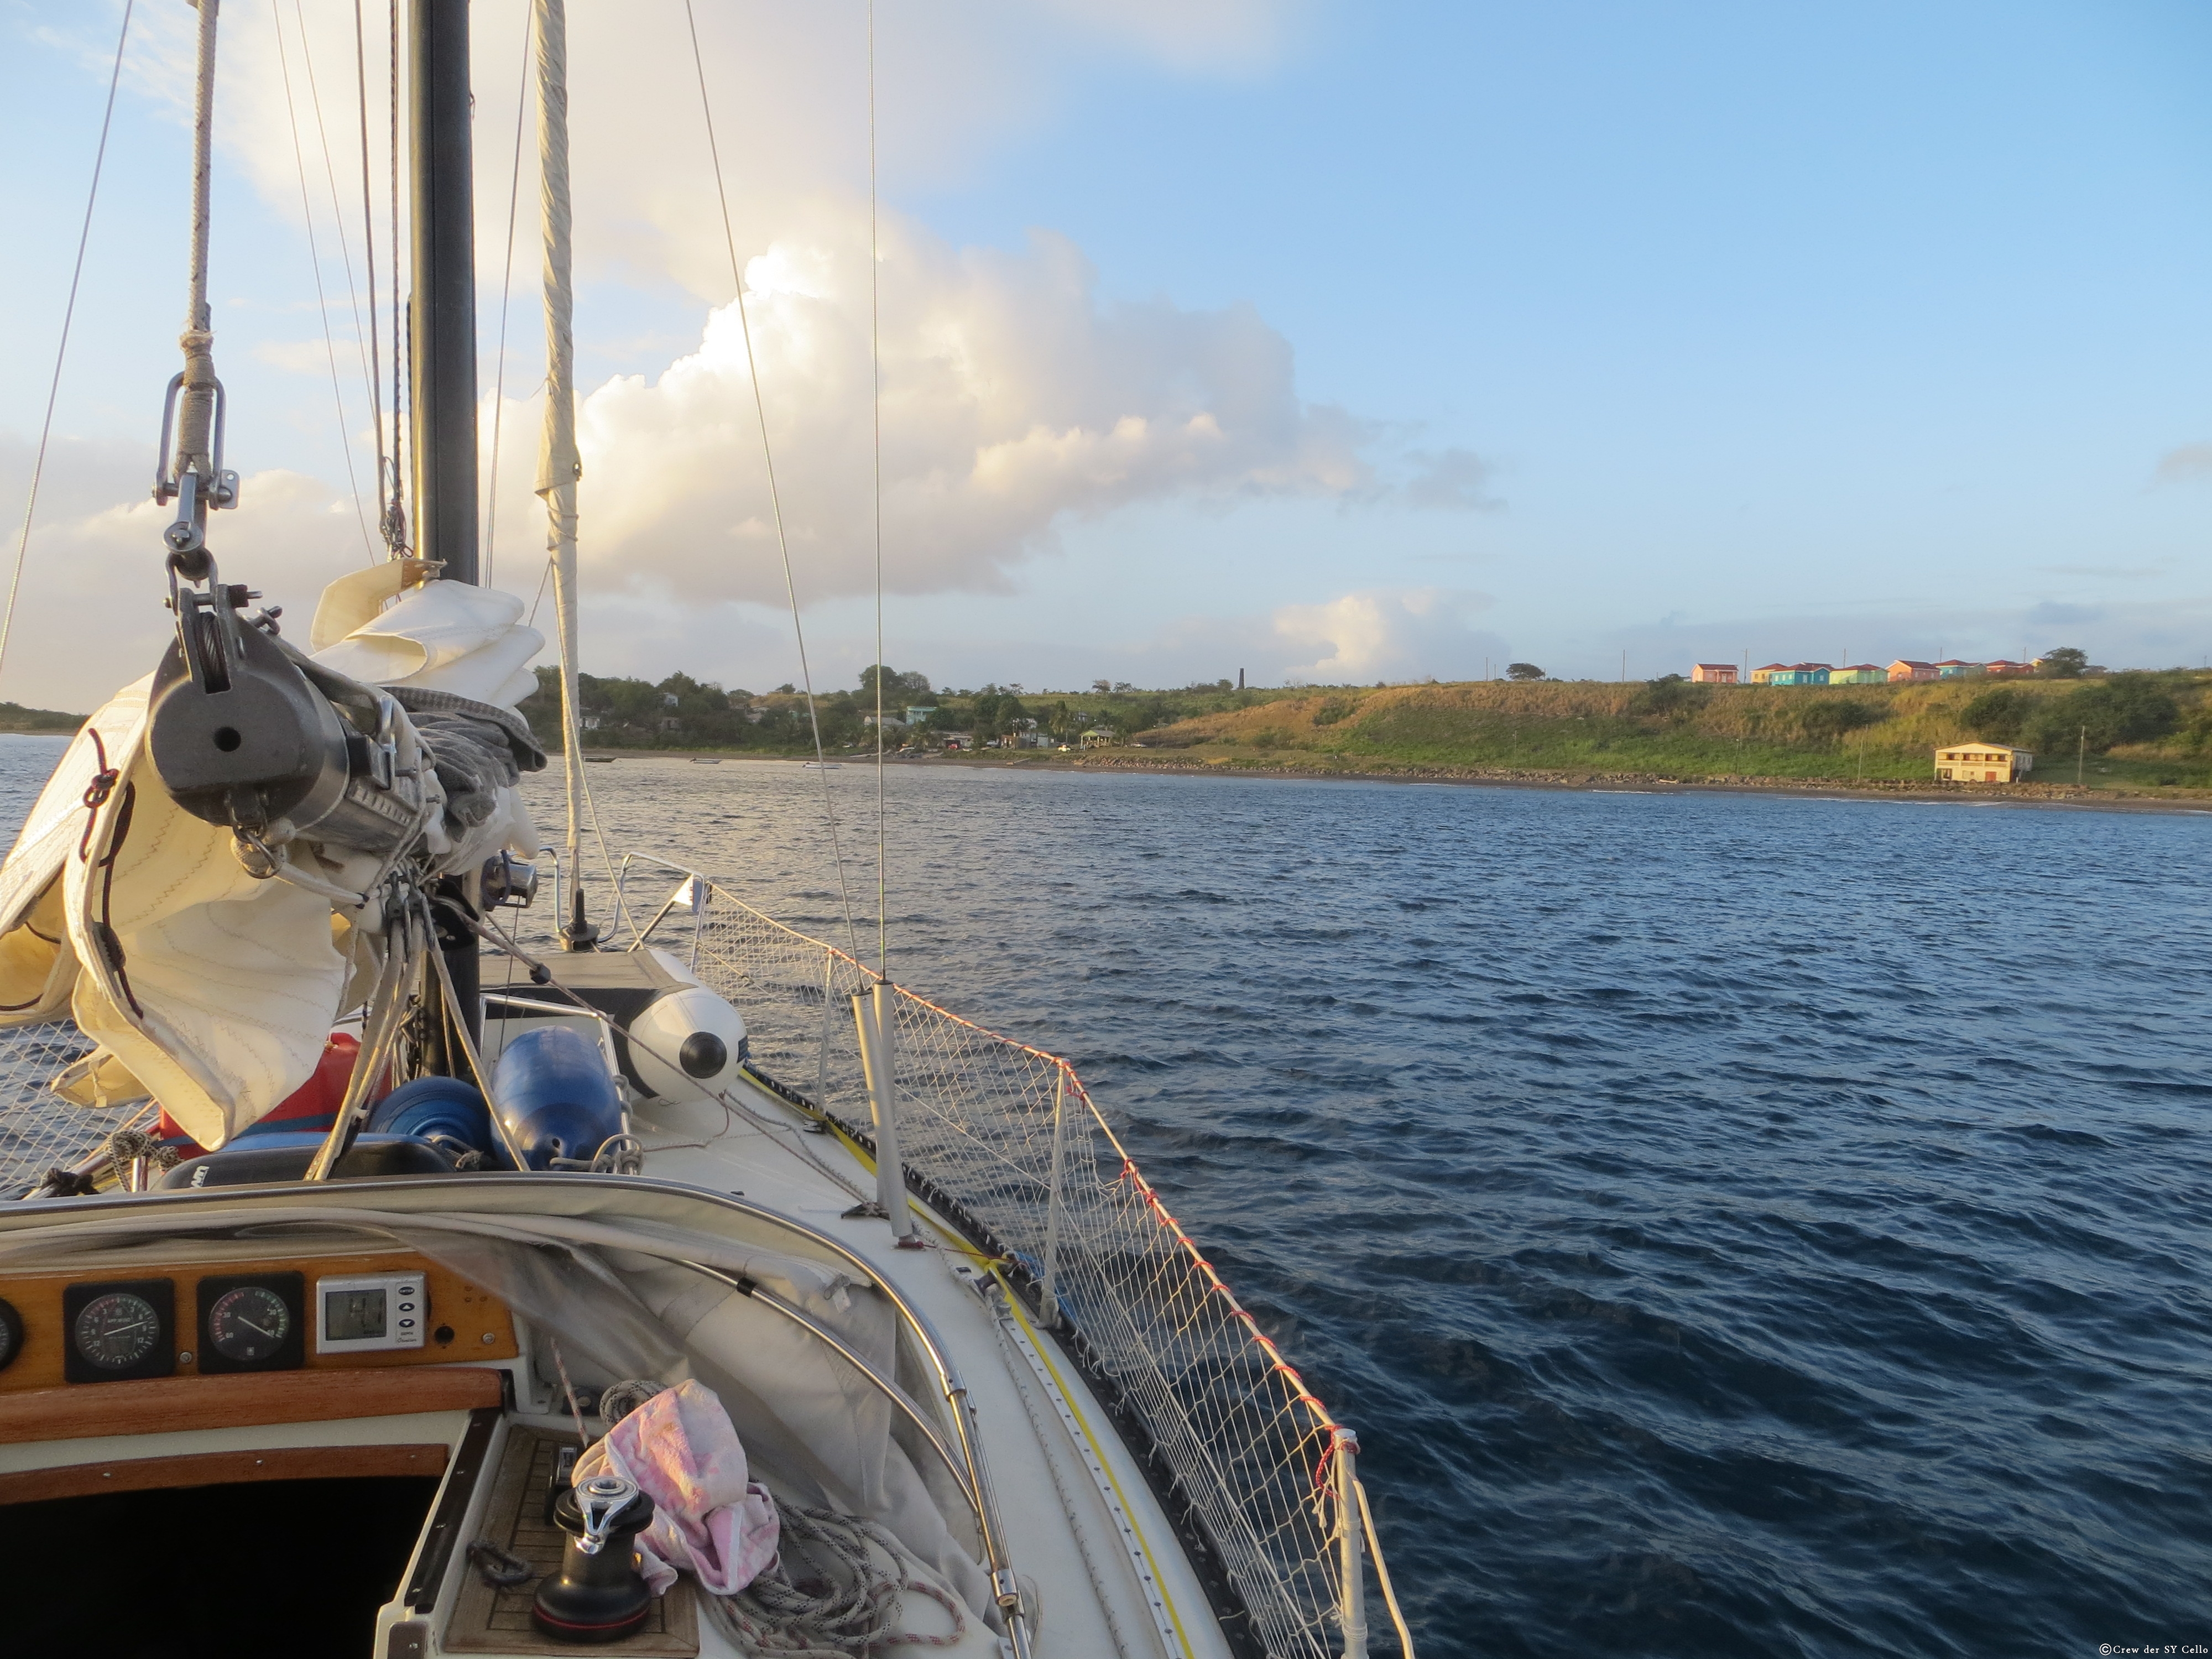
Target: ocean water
[{"x": 1735, "y": 1224}]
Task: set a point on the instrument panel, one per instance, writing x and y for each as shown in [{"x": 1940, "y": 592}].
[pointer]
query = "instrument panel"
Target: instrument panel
[{"x": 317, "y": 1313}]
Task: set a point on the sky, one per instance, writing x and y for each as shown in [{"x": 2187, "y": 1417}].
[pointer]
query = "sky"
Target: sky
[{"x": 1328, "y": 343}]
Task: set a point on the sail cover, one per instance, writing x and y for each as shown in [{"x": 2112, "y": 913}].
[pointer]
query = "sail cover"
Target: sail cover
[{"x": 208, "y": 989}]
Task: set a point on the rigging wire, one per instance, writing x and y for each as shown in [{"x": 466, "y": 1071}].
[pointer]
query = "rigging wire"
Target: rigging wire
[
  {"x": 506, "y": 288},
  {"x": 330, "y": 177},
  {"x": 369, "y": 262},
  {"x": 315, "y": 260},
  {"x": 775, "y": 502},
  {"x": 876, "y": 414},
  {"x": 61, "y": 351}
]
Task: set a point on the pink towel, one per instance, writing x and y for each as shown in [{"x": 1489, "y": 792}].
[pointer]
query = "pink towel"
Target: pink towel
[{"x": 709, "y": 1517}]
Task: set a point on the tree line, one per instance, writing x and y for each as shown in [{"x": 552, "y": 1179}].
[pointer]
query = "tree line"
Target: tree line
[{"x": 680, "y": 712}]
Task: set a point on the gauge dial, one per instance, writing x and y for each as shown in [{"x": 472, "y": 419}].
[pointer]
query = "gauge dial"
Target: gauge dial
[
  {"x": 11, "y": 1334},
  {"x": 117, "y": 1331},
  {"x": 249, "y": 1324}
]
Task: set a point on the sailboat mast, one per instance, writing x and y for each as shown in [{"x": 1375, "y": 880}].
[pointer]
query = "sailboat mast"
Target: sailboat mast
[
  {"x": 442, "y": 316},
  {"x": 442, "y": 325}
]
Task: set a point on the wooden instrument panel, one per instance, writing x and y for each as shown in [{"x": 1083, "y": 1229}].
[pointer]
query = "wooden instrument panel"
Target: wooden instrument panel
[{"x": 463, "y": 1322}]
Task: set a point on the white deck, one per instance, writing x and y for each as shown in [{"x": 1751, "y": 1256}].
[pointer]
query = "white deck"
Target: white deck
[{"x": 1077, "y": 1554}]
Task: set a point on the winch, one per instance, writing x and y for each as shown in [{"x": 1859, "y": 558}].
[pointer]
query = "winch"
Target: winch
[
  {"x": 598, "y": 1594},
  {"x": 248, "y": 733}
]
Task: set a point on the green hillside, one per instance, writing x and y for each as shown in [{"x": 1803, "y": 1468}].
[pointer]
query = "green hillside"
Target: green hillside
[
  {"x": 2132, "y": 729},
  {"x": 14, "y": 718}
]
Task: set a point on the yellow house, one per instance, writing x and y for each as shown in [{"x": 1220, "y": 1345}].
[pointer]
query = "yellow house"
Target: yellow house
[{"x": 1983, "y": 762}]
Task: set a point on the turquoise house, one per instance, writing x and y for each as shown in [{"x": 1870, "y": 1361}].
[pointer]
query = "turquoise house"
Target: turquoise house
[{"x": 1800, "y": 673}]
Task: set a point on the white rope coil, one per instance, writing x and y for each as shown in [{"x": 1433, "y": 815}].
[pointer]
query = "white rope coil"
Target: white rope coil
[{"x": 845, "y": 1601}]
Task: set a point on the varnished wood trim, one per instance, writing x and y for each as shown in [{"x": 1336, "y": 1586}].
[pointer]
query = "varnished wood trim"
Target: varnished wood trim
[
  {"x": 223, "y": 1468},
  {"x": 165, "y": 1405},
  {"x": 478, "y": 1327}
]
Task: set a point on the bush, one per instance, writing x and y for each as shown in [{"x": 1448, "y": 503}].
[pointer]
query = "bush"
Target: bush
[
  {"x": 1669, "y": 697},
  {"x": 1335, "y": 710},
  {"x": 2124, "y": 708},
  {"x": 1998, "y": 715},
  {"x": 1828, "y": 719}
]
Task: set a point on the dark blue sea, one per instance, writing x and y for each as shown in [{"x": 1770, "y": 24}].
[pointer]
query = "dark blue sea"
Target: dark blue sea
[{"x": 1736, "y": 1225}]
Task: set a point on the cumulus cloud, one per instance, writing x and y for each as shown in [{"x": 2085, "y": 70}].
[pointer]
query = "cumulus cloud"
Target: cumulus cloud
[
  {"x": 2189, "y": 464},
  {"x": 1385, "y": 634},
  {"x": 1012, "y": 397},
  {"x": 90, "y": 616},
  {"x": 1016, "y": 397}
]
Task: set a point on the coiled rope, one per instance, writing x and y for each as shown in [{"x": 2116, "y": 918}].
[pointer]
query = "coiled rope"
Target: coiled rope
[{"x": 845, "y": 1601}]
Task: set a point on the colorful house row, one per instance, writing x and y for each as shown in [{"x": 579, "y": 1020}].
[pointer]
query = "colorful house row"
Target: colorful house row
[{"x": 1856, "y": 673}]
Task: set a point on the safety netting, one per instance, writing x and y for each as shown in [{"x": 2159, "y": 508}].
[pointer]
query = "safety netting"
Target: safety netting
[
  {"x": 39, "y": 1130},
  {"x": 1004, "y": 1139}
]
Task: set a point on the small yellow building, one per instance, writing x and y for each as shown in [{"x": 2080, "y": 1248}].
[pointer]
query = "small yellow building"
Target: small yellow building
[{"x": 1983, "y": 762}]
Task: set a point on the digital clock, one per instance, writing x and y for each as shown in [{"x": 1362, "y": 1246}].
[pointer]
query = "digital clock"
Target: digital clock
[{"x": 370, "y": 1312}]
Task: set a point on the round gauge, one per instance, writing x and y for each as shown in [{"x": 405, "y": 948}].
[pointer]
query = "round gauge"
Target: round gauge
[
  {"x": 114, "y": 1332},
  {"x": 11, "y": 1334},
  {"x": 249, "y": 1324}
]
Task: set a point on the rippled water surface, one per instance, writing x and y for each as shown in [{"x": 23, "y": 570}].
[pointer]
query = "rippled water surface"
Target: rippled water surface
[{"x": 1735, "y": 1224}]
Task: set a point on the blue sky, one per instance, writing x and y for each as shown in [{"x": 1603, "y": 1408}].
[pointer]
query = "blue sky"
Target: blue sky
[{"x": 1322, "y": 341}]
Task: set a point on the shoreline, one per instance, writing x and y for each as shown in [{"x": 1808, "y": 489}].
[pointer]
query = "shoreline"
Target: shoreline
[{"x": 2068, "y": 797}]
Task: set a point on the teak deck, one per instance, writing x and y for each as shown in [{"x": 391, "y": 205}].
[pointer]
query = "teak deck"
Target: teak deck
[{"x": 487, "y": 1619}]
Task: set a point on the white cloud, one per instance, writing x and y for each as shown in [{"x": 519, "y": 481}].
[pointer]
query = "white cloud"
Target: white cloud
[
  {"x": 90, "y": 616},
  {"x": 1385, "y": 634},
  {"x": 1012, "y": 397}
]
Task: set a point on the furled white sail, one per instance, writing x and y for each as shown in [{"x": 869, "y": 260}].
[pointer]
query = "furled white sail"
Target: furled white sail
[{"x": 207, "y": 987}]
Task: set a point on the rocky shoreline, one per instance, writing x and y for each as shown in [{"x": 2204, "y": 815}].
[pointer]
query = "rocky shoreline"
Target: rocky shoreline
[{"x": 2016, "y": 794}]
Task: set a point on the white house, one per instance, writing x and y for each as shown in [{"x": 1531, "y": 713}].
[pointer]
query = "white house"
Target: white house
[{"x": 1983, "y": 762}]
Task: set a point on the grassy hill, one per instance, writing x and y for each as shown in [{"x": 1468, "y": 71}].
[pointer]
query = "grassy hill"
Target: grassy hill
[
  {"x": 14, "y": 718},
  {"x": 2143, "y": 730}
]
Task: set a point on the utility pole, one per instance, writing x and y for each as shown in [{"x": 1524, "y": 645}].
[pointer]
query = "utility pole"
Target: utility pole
[{"x": 1624, "y": 668}]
